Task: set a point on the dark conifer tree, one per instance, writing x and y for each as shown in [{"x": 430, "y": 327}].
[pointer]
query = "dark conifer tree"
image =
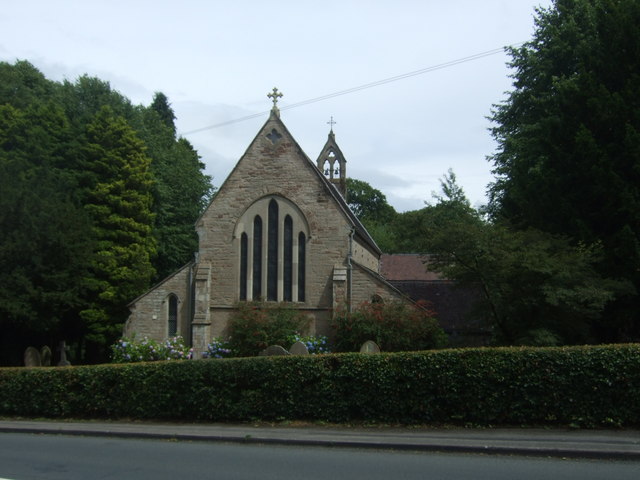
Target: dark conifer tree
[{"x": 568, "y": 158}]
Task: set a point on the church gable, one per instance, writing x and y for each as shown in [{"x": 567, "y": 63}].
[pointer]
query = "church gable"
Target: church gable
[{"x": 277, "y": 230}]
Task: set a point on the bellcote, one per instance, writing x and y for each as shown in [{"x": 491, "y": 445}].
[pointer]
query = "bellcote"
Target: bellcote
[{"x": 332, "y": 163}]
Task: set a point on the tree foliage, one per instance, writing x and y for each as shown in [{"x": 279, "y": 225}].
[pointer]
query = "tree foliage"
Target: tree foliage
[
  {"x": 90, "y": 188},
  {"x": 535, "y": 287},
  {"x": 568, "y": 157},
  {"x": 43, "y": 250},
  {"x": 372, "y": 209},
  {"x": 181, "y": 190},
  {"x": 368, "y": 203},
  {"x": 118, "y": 201}
]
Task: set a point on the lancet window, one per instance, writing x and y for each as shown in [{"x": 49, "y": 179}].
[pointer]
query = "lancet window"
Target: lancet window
[
  {"x": 274, "y": 268},
  {"x": 172, "y": 315}
]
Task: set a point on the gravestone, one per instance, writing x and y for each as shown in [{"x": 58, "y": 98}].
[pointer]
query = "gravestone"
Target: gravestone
[
  {"x": 32, "y": 357},
  {"x": 273, "y": 350},
  {"x": 45, "y": 355},
  {"x": 370, "y": 347},
  {"x": 62, "y": 348},
  {"x": 299, "y": 348}
]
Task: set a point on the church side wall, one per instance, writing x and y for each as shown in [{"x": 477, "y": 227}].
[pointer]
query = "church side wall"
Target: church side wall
[
  {"x": 150, "y": 313},
  {"x": 365, "y": 257},
  {"x": 365, "y": 286}
]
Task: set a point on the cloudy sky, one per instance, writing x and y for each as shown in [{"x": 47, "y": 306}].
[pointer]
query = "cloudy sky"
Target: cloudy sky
[{"x": 216, "y": 61}]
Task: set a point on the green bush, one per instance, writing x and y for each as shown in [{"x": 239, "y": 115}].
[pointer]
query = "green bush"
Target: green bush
[
  {"x": 394, "y": 325},
  {"x": 253, "y": 326},
  {"x": 578, "y": 386}
]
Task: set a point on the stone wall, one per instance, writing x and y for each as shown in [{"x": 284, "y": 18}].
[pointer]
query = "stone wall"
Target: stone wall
[
  {"x": 366, "y": 284},
  {"x": 150, "y": 312}
]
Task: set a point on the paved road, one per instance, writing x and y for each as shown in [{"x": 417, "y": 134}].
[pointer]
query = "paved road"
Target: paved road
[
  {"x": 603, "y": 444},
  {"x": 26, "y": 456}
]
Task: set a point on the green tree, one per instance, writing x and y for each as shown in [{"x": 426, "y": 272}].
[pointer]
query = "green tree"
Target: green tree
[
  {"x": 370, "y": 206},
  {"x": 368, "y": 203},
  {"x": 84, "y": 98},
  {"x": 118, "y": 199},
  {"x": 162, "y": 107},
  {"x": 43, "y": 248},
  {"x": 82, "y": 201},
  {"x": 22, "y": 84},
  {"x": 569, "y": 140},
  {"x": 181, "y": 189},
  {"x": 535, "y": 287}
]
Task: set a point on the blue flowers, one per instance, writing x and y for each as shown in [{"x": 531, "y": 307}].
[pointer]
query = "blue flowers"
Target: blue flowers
[
  {"x": 147, "y": 350},
  {"x": 315, "y": 343},
  {"x": 218, "y": 348}
]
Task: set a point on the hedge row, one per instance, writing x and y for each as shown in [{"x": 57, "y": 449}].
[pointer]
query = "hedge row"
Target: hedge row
[{"x": 582, "y": 386}]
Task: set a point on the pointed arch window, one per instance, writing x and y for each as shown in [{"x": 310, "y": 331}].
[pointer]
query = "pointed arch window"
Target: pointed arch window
[
  {"x": 244, "y": 265},
  {"x": 302, "y": 258},
  {"x": 272, "y": 236},
  {"x": 287, "y": 274},
  {"x": 172, "y": 316},
  {"x": 272, "y": 253},
  {"x": 257, "y": 257}
]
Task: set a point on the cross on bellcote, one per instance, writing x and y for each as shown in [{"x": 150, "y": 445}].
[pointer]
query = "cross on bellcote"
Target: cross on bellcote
[{"x": 331, "y": 123}]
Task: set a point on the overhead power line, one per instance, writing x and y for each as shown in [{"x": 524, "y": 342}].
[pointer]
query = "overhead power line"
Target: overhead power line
[{"x": 377, "y": 83}]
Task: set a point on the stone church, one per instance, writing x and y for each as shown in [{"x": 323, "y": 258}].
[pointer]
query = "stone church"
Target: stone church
[{"x": 278, "y": 229}]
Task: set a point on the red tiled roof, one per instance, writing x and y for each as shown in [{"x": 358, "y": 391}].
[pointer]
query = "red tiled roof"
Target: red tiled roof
[{"x": 404, "y": 267}]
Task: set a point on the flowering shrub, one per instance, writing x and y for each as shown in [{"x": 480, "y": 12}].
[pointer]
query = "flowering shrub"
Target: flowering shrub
[
  {"x": 394, "y": 325},
  {"x": 218, "y": 348},
  {"x": 128, "y": 350},
  {"x": 315, "y": 344},
  {"x": 256, "y": 325}
]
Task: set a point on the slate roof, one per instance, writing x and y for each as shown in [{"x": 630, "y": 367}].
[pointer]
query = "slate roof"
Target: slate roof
[
  {"x": 406, "y": 267},
  {"x": 451, "y": 303}
]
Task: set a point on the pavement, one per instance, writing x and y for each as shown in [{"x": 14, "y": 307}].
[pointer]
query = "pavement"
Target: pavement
[{"x": 564, "y": 443}]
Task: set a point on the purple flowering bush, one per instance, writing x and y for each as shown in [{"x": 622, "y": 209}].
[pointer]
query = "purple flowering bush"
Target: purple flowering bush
[
  {"x": 127, "y": 350},
  {"x": 218, "y": 348}
]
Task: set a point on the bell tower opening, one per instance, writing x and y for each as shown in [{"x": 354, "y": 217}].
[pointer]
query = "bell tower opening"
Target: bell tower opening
[{"x": 332, "y": 163}]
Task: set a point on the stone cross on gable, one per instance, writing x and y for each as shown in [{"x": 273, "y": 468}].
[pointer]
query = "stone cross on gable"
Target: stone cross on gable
[{"x": 274, "y": 95}]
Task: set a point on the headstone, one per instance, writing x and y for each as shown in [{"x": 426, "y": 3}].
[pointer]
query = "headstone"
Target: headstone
[
  {"x": 45, "y": 355},
  {"x": 299, "y": 348},
  {"x": 273, "y": 350},
  {"x": 62, "y": 348},
  {"x": 370, "y": 347},
  {"x": 32, "y": 357}
]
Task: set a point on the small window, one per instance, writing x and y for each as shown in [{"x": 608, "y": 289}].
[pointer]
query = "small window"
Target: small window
[{"x": 173, "y": 315}]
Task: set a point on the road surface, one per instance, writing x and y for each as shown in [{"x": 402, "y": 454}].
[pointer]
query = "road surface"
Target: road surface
[{"x": 32, "y": 457}]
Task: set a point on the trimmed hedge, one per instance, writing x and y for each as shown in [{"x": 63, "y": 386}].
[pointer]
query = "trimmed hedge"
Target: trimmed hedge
[{"x": 580, "y": 386}]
